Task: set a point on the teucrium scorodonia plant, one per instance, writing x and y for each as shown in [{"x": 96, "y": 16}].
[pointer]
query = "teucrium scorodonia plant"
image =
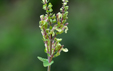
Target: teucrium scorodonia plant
[{"x": 52, "y": 25}]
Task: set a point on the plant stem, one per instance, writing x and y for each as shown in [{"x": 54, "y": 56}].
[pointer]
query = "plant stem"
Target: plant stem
[
  {"x": 50, "y": 44},
  {"x": 49, "y": 57},
  {"x": 49, "y": 68}
]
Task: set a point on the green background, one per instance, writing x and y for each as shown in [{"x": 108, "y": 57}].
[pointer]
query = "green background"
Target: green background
[{"x": 89, "y": 39}]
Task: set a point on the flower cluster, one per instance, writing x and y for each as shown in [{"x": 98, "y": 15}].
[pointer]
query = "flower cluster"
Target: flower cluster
[{"x": 51, "y": 25}]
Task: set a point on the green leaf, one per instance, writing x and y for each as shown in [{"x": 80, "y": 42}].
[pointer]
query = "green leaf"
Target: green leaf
[
  {"x": 45, "y": 61},
  {"x": 41, "y": 59}
]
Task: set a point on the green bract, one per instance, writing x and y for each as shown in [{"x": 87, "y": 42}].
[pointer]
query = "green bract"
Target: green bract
[{"x": 51, "y": 25}]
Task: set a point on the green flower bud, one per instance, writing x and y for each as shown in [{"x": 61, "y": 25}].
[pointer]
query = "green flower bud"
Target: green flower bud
[
  {"x": 41, "y": 17},
  {"x": 59, "y": 30},
  {"x": 58, "y": 39},
  {"x": 53, "y": 17},
  {"x": 65, "y": 3},
  {"x": 50, "y": 10},
  {"x": 57, "y": 54},
  {"x": 59, "y": 15},
  {"x": 66, "y": 29},
  {"x": 45, "y": 6},
  {"x": 53, "y": 34},
  {"x": 63, "y": 21},
  {"x": 50, "y": 5},
  {"x": 66, "y": 8},
  {"x": 57, "y": 46},
  {"x": 54, "y": 21},
  {"x": 47, "y": 30}
]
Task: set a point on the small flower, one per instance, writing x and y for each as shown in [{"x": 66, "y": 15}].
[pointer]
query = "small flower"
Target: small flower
[
  {"x": 65, "y": 49},
  {"x": 44, "y": 1},
  {"x": 41, "y": 17}
]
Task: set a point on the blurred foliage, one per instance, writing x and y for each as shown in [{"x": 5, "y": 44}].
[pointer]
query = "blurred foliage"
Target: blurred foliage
[{"x": 89, "y": 39}]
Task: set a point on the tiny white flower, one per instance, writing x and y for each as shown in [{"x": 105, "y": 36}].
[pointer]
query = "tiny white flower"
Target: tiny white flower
[
  {"x": 65, "y": 49},
  {"x": 44, "y": 1}
]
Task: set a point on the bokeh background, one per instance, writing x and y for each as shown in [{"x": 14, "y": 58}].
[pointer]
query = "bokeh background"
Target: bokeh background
[{"x": 89, "y": 39}]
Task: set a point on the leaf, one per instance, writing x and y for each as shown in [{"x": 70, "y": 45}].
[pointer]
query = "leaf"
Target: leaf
[
  {"x": 45, "y": 61},
  {"x": 42, "y": 59}
]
